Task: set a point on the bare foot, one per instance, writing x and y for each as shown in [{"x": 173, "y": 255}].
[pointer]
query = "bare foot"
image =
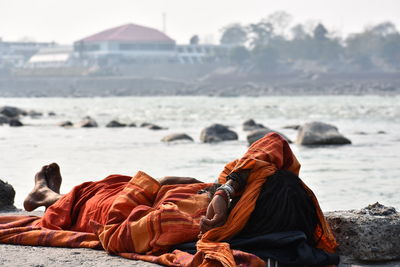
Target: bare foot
[
  {"x": 41, "y": 195},
  {"x": 53, "y": 177}
]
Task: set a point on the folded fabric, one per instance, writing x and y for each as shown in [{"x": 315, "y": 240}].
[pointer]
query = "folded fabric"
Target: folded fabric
[{"x": 289, "y": 248}]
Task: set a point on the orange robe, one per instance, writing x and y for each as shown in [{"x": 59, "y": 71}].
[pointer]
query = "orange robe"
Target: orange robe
[{"x": 138, "y": 219}]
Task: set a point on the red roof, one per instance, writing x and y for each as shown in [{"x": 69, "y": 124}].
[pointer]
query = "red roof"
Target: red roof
[{"x": 130, "y": 33}]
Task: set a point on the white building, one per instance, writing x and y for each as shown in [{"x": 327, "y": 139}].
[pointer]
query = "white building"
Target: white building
[
  {"x": 17, "y": 54},
  {"x": 52, "y": 57},
  {"x": 130, "y": 42},
  {"x": 197, "y": 54}
]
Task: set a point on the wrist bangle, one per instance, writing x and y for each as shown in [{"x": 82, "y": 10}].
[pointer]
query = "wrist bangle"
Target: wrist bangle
[{"x": 228, "y": 188}]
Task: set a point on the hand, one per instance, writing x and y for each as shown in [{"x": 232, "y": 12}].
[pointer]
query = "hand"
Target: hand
[{"x": 217, "y": 214}]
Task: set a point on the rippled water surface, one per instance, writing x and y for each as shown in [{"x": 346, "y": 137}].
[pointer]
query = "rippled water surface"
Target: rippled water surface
[{"x": 343, "y": 177}]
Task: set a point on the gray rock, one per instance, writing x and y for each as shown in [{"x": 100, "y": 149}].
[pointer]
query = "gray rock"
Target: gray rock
[
  {"x": 33, "y": 113},
  {"x": 155, "y": 127},
  {"x": 115, "y": 124},
  {"x": 177, "y": 137},
  {"x": 370, "y": 234},
  {"x": 258, "y": 134},
  {"x": 145, "y": 124},
  {"x": 293, "y": 127},
  {"x": 4, "y": 119},
  {"x": 378, "y": 209},
  {"x": 381, "y": 132},
  {"x": 217, "y": 133},
  {"x": 87, "y": 122},
  {"x": 12, "y": 112},
  {"x": 7, "y": 194},
  {"x": 319, "y": 133},
  {"x": 151, "y": 126},
  {"x": 66, "y": 124},
  {"x": 361, "y": 133},
  {"x": 15, "y": 123},
  {"x": 251, "y": 125},
  {"x": 51, "y": 114},
  {"x": 132, "y": 124}
]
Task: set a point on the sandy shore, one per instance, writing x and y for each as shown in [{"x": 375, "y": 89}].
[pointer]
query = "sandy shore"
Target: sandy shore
[{"x": 14, "y": 255}]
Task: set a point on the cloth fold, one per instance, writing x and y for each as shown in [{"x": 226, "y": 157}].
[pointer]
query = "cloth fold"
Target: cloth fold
[{"x": 263, "y": 158}]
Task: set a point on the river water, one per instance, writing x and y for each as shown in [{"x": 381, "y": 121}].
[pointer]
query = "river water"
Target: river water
[{"x": 342, "y": 177}]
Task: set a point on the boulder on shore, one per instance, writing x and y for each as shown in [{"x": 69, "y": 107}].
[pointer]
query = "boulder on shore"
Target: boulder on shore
[
  {"x": 66, "y": 124},
  {"x": 34, "y": 113},
  {"x": 217, "y": 133},
  {"x": 151, "y": 126},
  {"x": 293, "y": 127},
  {"x": 15, "y": 123},
  {"x": 370, "y": 234},
  {"x": 177, "y": 137},
  {"x": 7, "y": 194},
  {"x": 115, "y": 124},
  {"x": 319, "y": 133},
  {"x": 87, "y": 122},
  {"x": 4, "y": 119},
  {"x": 251, "y": 125},
  {"x": 12, "y": 112},
  {"x": 258, "y": 134}
]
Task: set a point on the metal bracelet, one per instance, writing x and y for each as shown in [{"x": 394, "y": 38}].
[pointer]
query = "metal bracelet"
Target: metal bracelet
[{"x": 229, "y": 188}]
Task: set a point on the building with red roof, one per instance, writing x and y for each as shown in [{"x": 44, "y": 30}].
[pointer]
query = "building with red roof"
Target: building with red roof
[{"x": 130, "y": 42}]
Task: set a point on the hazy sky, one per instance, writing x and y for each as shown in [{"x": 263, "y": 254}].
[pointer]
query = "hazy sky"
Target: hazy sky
[{"x": 65, "y": 21}]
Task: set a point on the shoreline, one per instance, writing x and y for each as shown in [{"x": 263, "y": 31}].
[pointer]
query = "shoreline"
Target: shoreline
[{"x": 232, "y": 85}]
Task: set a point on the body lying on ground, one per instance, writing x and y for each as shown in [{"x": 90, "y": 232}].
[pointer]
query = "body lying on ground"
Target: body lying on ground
[{"x": 259, "y": 209}]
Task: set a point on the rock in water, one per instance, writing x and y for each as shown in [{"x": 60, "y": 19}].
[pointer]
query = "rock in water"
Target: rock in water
[
  {"x": 145, "y": 124},
  {"x": 15, "y": 123},
  {"x": 66, "y": 124},
  {"x": 217, "y": 133},
  {"x": 251, "y": 125},
  {"x": 11, "y": 112},
  {"x": 115, "y": 124},
  {"x": 4, "y": 119},
  {"x": 258, "y": 134},
  {"x": 177, "y": 137},
  {"x": 33, "y": 113},
  {"x": 293, "y": 127},
  {"x": 87, "y": 122},
  {"x": 152, "y": 126},
  {"x": 319, "y": 133},
  {"x": 371, "y": 234},
  {"x": 7, "y": 194}
]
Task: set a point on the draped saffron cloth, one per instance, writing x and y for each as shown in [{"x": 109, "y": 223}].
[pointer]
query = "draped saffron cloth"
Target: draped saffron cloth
[{"x": 137, "y": 218}]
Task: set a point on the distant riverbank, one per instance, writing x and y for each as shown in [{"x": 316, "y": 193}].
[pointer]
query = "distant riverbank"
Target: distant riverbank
[{"x": 222, "y": 84}]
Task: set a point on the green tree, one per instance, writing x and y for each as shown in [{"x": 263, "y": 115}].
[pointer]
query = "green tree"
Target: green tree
[
  {"x": 280, "y": 20},
  {"x": 320, "y": 32},
  {"x": 265, "y": 58},
  {"x": 260, "y": 33},
  {"x": 379, "y": 41},
  {"x": 234, "y": 34},
  {"x": 194, "y": 40},
  {"x": 239, "y": 55}
]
